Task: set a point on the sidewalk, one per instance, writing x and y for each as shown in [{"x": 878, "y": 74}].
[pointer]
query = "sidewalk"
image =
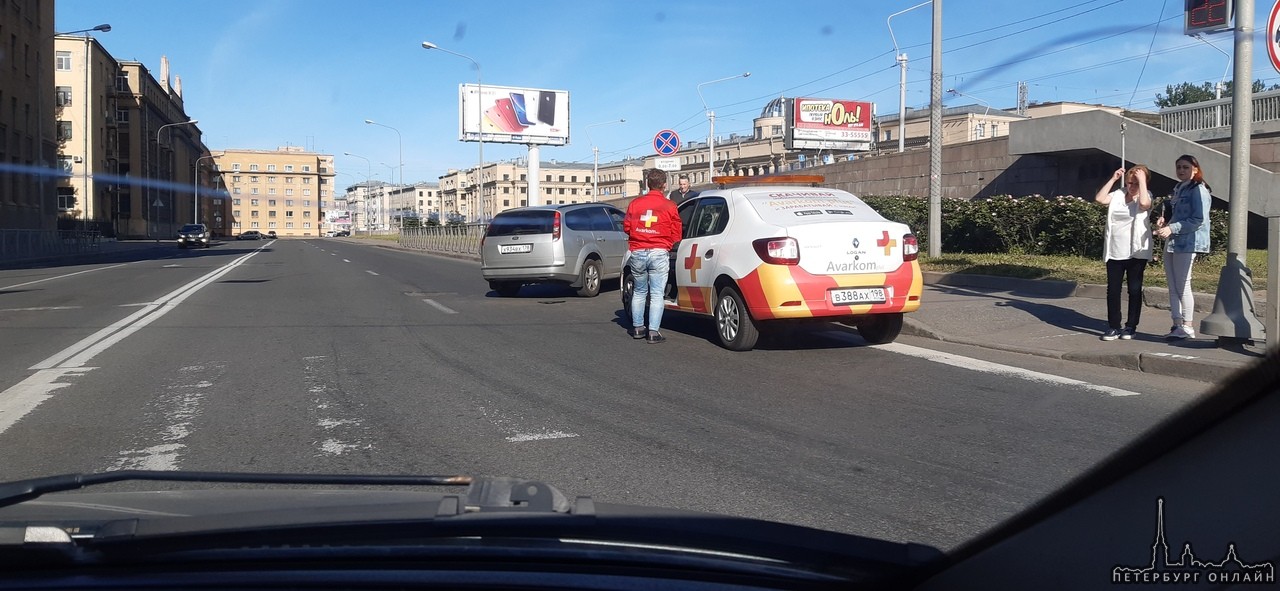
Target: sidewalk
[{"x": 1060, "y": 320}]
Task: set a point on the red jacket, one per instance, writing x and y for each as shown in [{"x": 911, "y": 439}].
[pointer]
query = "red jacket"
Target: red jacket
[{"x": 652, "y": 222}]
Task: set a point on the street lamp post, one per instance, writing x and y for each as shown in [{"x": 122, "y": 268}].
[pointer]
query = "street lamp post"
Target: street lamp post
[
  {"x": 367, "y": 179},
  {"x": 479, "y": 119},
  {"x": 595, "y": 154},
  {"x": 399, "y": 141},
  {"x": 902, "y": 72},
  {"x": 158, "y": 132},
  {"x": 1217, "y": 88},
  {"x": 711, "y": 119},
  {"x": 195, "y": 190}
]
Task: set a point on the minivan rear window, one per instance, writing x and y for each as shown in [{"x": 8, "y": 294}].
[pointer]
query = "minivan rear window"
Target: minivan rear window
[{"x": 522, "y": 222}]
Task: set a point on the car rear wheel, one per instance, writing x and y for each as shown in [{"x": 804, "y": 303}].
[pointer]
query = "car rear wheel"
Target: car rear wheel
[
  {"x": 881, "y": 328},
  {"x": 628, "y": 288},
  {"x": 734, "y": 325},
  {"x": 590, "y": 279}
]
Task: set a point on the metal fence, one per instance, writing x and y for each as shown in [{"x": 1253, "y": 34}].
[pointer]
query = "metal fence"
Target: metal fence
[
  {"x": 1217, "y": 113},
  {"x": 20, "y": 245},
  {"x": 461, "y": 239}
]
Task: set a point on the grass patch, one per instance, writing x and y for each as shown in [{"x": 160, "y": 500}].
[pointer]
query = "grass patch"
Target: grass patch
[{"x": 1204, "y": 275}]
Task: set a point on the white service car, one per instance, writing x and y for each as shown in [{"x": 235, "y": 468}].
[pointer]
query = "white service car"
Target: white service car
[{"x": 762, "y": 251}]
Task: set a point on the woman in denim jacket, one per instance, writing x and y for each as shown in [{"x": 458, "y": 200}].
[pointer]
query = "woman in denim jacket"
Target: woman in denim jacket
[{"x": 1186, "y": 233}]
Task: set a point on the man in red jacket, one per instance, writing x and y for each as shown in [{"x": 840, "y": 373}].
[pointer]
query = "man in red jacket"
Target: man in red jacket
[{"x": 653, "y": 226}]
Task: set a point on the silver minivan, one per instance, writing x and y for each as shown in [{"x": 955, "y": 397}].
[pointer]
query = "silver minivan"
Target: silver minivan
[{"x": 580, "y": 245}]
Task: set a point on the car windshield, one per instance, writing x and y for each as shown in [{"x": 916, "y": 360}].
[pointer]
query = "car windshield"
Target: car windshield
[{"x": 894, "y": 302}]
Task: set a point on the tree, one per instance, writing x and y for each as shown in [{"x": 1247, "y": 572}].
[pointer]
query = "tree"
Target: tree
[{"x": 1187, "y": 93}]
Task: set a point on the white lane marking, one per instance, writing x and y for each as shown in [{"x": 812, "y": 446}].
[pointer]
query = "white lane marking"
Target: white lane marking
[
  {"x": 62, "y": 276},
  {"x": 44, "y": 309},
  {"x": 341, "y": 434},
  {"x": 346, "y": 260},
  {"x": 21, "y": 398},
  {"x": 439, "y": 306},
  {"x": 998, "y": 369},
  {"x": 132, "y": 305},
  {"x": 333, "y": 254},
  {"x": 370, "y": 272},
  {"x": 80, "y": 353},
  {"x": 172, "y": 266},
  {"x": 518, "y": 433},
  {"x": 520, "y": 437},
  {"x": 25, "y": 396},
  {"x": 1174, "y": 355},
  {"x": 170, "y": 419}
]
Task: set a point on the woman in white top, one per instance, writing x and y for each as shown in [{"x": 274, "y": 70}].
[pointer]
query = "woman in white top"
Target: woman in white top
[{"x": 1127, "y": 246}]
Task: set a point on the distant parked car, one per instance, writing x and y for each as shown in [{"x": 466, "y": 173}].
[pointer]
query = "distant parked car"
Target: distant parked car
[
  {"x": 271, "y": 235},
  {"x": 341, "y": 233},
  {"x": 193, "y": 235},
  {"x": 580, "y": 245},
  {"x": 250, "y": 235}
]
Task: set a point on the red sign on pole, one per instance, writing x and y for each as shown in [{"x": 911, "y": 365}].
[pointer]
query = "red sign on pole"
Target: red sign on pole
[{"x": 1273, "y": 36}]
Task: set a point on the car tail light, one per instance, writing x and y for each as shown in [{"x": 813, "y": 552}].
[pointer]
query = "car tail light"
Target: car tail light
[
  {"x": 778, "y": 251},
  {"x": 555, "y": 227},
  {"x": 910, "y": 248}
]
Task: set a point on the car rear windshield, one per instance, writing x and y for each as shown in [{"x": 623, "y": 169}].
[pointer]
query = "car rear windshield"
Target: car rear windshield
[{"x": 522, "y": 222}]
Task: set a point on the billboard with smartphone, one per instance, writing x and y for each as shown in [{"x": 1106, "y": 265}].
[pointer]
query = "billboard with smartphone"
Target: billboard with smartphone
[
  {"x": 506, "y": 114},
  {"x": 815, "y": 123}
]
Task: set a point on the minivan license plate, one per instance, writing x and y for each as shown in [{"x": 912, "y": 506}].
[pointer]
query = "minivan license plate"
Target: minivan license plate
[
  {"x": 510, "y": 248},
  {"x": 862, "y": 295}
]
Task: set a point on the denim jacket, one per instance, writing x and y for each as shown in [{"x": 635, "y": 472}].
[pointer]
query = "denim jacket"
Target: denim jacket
[{"x": 1190, "y": 220}]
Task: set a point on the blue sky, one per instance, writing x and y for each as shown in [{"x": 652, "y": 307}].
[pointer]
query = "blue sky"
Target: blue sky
[{"x": 267, "y": 73}]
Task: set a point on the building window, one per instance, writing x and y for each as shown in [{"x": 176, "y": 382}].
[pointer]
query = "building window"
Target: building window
[
  {"x": 236, "y": 190},
  {"x": 235, "y": 213},
  {"x": 288, "y": 191},
  {"x": 122, "y": 115},
  {"x": 62, "y": 96},
  {"x": 288, "y": 180},
  {"x": 306, "y": 168},
  {"x": 271, "y": 224},
  {"x": 306, "y": 191},
  {"x": 993, "y": 128},
  {"x": 253, "y": 202},
  {"x": 271, "y": 191},
  {"x": 254, "y": 190},
  {"x": 288, "y": 225},
  {"x": 271, "y": 203},
  {"x": 62, "y": 59},
  {"x": 253, "y": 168},
  {"x": 254, "y": 225},
  {"x": 979, "y": 130},
  {"x": 306, "y": 214},
  {"x": 307, "y": 203},
  {"x": 307, "y": 225},
  {"x": 888, "y": 134},
  {"x": 288, "y": 168},
  {"x": 306, "y": 181},
  {"x": 288, "y": 213},
  {"x": 235, "y": 201},
  {"x": 271, "y": 214},
  {"x": 253, "y": 179},
  {"x": 64, "y": 130},
  {"x": 66, "y": 198},
  {"x": 271, "y": 168},
  {"x": 235, "y": 167},
  {"x": 271, "y": 179},
  {"x": 253, "y": 213}
]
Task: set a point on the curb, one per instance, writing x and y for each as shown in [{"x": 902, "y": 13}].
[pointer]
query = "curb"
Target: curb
[{"x": 1167, "y": 364}]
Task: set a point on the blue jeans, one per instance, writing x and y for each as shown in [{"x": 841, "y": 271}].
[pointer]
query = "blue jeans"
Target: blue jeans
[{"x": 649, "y": 268}]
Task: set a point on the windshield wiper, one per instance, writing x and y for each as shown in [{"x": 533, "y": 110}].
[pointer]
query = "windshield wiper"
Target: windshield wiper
[{"x": 18, "y": 491}]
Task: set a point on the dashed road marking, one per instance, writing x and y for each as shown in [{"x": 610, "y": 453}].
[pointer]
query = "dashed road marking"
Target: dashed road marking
[
  {"x": 439, "y": 306},
  {"x": 998, "y": 369}
]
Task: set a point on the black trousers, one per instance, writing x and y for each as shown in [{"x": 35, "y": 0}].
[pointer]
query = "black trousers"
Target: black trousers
[{"x": 1118, "y": 271}]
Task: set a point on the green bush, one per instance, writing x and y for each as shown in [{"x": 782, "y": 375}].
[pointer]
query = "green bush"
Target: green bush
[{"x": 1063, "y": 225}]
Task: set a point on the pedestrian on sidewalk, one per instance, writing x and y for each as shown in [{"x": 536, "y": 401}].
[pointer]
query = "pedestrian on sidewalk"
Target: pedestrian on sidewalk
[
  {"x": 653, "y": 226},
  {"x": 1126, "y": 248},
  {"x": 1186, "y": 233}
]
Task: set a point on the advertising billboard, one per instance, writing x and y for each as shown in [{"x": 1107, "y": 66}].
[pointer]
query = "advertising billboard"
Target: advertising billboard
[
  {"x": 815, "y": 124},
  {"x": 506, "y": 114}
]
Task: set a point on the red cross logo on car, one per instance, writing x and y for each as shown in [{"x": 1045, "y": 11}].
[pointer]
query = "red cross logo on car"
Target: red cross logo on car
[
  {"x": 887, "y": 242},
  {"x": 693, "y": 263}
]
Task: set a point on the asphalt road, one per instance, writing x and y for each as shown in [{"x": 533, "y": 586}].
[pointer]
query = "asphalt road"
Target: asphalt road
[{"x": 331, "y": 356}]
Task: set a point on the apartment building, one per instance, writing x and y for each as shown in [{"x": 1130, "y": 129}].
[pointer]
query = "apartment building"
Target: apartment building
[
  {"x": 506, "y": 186},
  {"x": 283, "y": 190},
  {"x": 27, "y": 142}
]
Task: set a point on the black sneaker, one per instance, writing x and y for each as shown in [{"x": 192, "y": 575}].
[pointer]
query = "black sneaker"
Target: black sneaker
[
  {"x": 1111, "y": 334},
  {"x": 637, "y": 332},
  {"x": 1127, "y": 333},
  {"x": 656, "y": 337}
]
